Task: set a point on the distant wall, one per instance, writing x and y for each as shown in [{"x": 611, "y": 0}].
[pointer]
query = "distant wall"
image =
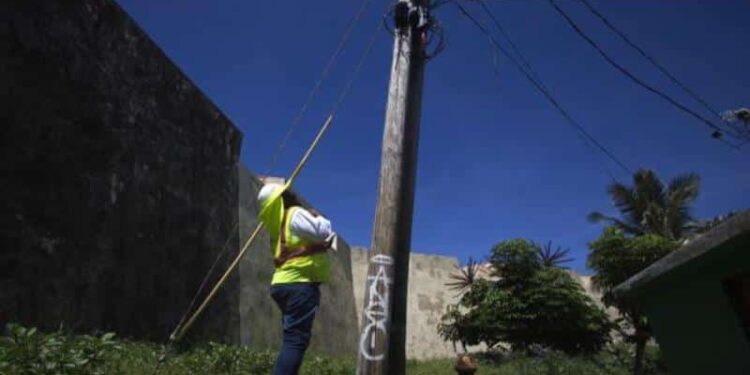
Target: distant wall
[
  {"x": 335, "y": 329},
  {"x": 426, "y": 302},
  {"x": 119, "y": 179},
  {"x": 596, "y": 296},
  {"x": 429, "y": 297}
]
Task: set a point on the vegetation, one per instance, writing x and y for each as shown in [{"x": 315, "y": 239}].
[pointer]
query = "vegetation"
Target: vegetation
[
  {"x": 654, "y": 218},
  {"x": 648, "y": 207},
  {"x": 530, "y": 303},
  {"x": 25, "y": 351},
  {"x": 615, "y": 257}
]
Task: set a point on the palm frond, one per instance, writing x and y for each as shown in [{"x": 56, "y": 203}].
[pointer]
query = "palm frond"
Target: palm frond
[
  {"x": 648, "y": 186},
  {"x": 598, "y": 217},
  {"x": 465, "y": 276},
  {"x": 648, "y": 206},
  {"x": 553, "y": 257}
]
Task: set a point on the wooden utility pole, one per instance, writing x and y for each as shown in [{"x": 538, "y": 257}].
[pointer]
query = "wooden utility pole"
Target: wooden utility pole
[{"x": 382, "y": 341}]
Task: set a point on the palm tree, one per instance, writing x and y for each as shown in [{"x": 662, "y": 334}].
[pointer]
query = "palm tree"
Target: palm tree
[{"x": 649, "y": 208}]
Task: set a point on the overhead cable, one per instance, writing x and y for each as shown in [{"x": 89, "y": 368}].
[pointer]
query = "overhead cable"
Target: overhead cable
[
  {"x": 580, "y": 130},
  {"x": 635, "y": 79}
]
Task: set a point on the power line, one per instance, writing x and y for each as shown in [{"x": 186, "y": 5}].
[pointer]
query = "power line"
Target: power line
[
  {"x": 630, "y": 75},
  {"x": 507, "y": 37},
  {"x": 353, "y": 76},
  {"x": 580, "y": 130},
  {"x": 650, "y": 59},
  {"x": 314, "y": 91},
  {"x": 343, "y": 93}
]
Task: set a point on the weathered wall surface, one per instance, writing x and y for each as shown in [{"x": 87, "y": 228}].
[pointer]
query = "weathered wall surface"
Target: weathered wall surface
[
  {"x": 335, "y": 329},
  {"x": 429, "y": 297},
  {"x": 427, "y": 300},
  {"x": 118, "y": 180}
]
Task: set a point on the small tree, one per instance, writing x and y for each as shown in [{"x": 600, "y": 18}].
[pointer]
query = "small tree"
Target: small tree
[
  {"x": 615, "y": 257},
  {"x": 532, "y": 302}
]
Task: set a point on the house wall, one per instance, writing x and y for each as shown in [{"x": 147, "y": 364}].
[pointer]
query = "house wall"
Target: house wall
[{"x": 690, "y": 313}]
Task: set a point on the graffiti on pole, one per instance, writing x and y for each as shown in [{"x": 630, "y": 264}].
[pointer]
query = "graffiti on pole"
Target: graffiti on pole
[{"x": 377, "y": 310}]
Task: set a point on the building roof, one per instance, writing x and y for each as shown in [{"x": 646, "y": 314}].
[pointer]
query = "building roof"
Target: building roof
[{"x": 697, "y": 247}]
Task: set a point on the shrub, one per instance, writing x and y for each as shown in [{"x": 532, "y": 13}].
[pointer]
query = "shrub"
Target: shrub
[
  {"x": 25, "y": 351},
  {"x": 532, "y": 302}
]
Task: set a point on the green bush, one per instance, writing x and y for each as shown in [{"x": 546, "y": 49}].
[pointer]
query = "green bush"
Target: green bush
[{"x": 25, "y": 351}]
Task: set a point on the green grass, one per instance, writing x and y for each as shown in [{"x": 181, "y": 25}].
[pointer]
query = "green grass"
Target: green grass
[{"x": 25, "y": 351}]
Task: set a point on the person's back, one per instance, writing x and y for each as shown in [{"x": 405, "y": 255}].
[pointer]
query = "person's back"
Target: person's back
[{"x": 299, "y": 243}]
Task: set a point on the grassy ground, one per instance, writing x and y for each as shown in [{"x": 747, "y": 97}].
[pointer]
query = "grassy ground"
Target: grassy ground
[{"x": 25, "y": 351}]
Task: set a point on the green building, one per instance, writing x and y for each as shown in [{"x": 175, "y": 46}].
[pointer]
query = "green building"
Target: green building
[{"x": 697, "y": 300}]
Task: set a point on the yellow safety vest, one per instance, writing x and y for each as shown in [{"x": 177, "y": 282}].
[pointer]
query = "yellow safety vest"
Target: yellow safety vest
[{"x": 298, "y": 269}]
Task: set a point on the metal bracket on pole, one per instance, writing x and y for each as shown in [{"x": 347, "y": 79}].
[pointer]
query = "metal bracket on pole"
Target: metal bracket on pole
[{"x": 409, "y": 15}]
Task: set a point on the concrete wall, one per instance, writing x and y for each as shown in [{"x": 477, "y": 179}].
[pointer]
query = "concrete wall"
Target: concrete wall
[
  {"x": 119, "y": 181},
  {"x": 120, "y": 188},
  {"x": 335, "y": 330},
  {"x": 427, "y": 300},
  {"x": 429, "y": 297},
  {"x": 596, "y": 296}
]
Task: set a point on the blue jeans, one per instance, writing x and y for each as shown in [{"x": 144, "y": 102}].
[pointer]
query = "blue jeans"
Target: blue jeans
[{"x": 298, "y": 304}]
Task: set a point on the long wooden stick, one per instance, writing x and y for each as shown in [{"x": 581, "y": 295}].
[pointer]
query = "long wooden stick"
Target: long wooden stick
[{"x": 181, "y": 330}]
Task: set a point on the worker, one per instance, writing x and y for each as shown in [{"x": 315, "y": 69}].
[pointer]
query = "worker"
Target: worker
[{"x": 300, "y": 239}]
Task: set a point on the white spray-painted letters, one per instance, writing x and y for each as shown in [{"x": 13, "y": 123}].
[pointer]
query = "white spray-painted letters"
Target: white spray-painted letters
[{"x": 377, "y": 311}]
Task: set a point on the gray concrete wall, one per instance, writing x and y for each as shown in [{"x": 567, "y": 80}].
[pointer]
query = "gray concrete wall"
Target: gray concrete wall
[
  {"x": 335, "y": 329},
  {"x": 121, "y": 185},
  {"x": 118, "y": 183}
]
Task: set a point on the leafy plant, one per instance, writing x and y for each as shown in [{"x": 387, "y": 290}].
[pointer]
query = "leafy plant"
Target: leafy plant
[
  {"x": 615, "y": 257},
  {"x": 137, "y": 358},
  {"x": 553, "y": 257},
  {"x": 26, "y": 351},
  {"x": 530, "y": 304},
  {"x": 465, "y": 276},
  {"x": 653, "y": 219},
  {"x": 648, "y": 207}
]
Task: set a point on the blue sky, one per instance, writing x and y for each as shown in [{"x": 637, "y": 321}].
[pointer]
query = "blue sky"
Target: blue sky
[{"x": 495, "y": 160}]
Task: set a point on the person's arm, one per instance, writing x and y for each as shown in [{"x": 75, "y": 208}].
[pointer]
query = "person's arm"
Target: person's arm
[{"x": 310, "y": 226}]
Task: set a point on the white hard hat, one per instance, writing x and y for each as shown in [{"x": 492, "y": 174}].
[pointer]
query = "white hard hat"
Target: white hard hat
[{"x": 267, "y": 190}]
